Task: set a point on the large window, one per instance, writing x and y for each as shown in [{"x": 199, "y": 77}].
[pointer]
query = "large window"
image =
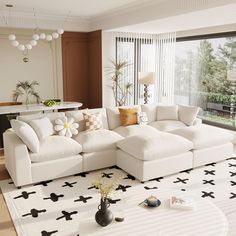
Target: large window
[
  {"x": 201, "y": 76},
  {"x": 147, "y": 53},
  {"x": 139, "y": 54}
]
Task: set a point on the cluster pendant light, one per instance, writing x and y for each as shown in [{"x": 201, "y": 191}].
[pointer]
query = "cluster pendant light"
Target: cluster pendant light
[
  {"x": 36, "y": 37},
  {"x": 34, "y": 41}
]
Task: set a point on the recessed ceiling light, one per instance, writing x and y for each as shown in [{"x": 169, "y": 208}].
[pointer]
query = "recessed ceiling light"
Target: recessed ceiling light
[{"x": 9, "y": 5}]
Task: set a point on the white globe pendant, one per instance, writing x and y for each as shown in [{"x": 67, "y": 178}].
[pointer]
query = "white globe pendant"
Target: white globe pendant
[
  {"x": 60, "y": 31},
  {"x": 15, "y": 43},
  {"x": 42, "y": 36},
  {"x": 33, "y": 42},
  {"x": 11, "y": 37},
  {"x": 28, "y": 46},
  {"x": 21, "y": 47},
  {"x": 55, "y": 35},
  {"x": 36, "y": 37},
  {"x": 49, "y": 37}
]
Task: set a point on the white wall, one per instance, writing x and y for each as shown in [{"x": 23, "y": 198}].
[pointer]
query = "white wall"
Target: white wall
[
  {"x": 44, "y": 66},
  {"x": 107, "y": 55}
]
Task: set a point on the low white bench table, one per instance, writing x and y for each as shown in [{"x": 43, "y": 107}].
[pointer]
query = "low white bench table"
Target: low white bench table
[{"x": 205, "y": 220}]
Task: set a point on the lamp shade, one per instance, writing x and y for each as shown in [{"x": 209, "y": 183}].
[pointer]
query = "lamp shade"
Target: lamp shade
[
  {"x": 146, "y": 78},
  {"x": 231, "y": 75}
]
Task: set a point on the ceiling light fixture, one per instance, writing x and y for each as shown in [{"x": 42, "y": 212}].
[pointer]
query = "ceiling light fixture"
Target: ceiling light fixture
[{"x": 25, "y": 48}]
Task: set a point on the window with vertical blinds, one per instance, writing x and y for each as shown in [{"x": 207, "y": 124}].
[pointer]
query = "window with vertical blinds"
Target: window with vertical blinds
[{"x": 147, "y": 53}]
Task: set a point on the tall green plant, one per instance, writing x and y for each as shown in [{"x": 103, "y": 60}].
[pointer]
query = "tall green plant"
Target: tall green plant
[
  {"x": 28, "y": 89},
  {"x": 120, "y": 89}
]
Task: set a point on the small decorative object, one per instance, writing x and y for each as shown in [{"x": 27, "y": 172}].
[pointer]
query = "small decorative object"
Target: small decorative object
[
  {"x": 146, "y": 78},
  {"x": 151, "y": 201},
  {"x": 120, "y": 89},
  {"x": 142, "y": 118},
  {"x": 182, "y": 203},
  {"x": 51, "y": 103},
  {"x": 66, "y": 127},
  {"x": 104, "y": 216},
  {"x": 28, "y": 89}
]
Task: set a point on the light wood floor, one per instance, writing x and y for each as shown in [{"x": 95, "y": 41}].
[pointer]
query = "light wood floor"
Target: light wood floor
[{"x": 6, "y": 225}]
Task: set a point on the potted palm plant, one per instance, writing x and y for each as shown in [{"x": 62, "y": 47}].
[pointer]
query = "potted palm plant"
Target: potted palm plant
[
  {"x": 120, "y": 89},
  {"x": 27, "y": 89}
]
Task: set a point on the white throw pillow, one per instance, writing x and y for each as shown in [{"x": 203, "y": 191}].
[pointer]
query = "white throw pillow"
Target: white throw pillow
[
  {"x": 43, "y": 127},
  {"x": 187, "y": 114},
  {"x": 66, "y": 127},
  {"x": 142, "y": 118},
  {"x": 26, "y": 134},
  {"x": 167, "y": 112}
]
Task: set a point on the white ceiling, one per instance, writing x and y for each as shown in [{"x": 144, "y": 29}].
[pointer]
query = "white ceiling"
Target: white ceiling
[
  {"x": 81, "y": 8},
  {"x": 217, "y": 16},
  {"x": 127, "y": 15}
]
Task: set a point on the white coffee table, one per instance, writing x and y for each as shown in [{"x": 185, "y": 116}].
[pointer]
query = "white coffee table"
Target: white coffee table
[{"x": 205, "y": 220}]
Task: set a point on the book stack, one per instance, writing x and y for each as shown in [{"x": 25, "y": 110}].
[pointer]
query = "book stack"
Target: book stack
[{"x": 182, "y": 203}]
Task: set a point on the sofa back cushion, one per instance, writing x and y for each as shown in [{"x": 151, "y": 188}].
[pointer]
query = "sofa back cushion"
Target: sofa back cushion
[
  {"x": 151, "y": 111},
  {"x": 113, "y": 115},
  {"x": 79, "y": 117},
  {"x": 52, "y": 116},
  {"x": 188, "y": 114},
  {"x": 167, "y": 112},
  {"x": 26, "y": 134}
]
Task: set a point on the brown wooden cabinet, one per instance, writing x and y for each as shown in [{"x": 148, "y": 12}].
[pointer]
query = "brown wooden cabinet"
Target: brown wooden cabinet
[{"x": 82, "y": 68}]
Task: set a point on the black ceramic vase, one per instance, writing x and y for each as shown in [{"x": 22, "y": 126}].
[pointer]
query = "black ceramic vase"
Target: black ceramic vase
[{"x": 104, "y": 216}]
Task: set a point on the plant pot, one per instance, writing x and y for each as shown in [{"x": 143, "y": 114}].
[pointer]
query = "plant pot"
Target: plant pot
[{"x": 104, "y": 216}]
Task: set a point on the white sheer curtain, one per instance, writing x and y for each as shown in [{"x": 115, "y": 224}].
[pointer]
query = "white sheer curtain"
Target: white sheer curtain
[{"x": 147, "y": 53}]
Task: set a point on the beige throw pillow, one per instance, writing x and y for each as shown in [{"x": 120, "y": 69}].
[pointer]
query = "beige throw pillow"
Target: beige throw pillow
[{"x": 187, "y": 114}]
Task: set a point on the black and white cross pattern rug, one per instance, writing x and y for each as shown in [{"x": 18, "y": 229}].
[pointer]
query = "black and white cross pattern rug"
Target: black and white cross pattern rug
[{"x": 54, "y": 207}]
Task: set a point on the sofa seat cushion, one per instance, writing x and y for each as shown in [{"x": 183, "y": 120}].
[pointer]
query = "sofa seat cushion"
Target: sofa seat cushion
[
  {"x": 56, "y": 147},
  {"x": 167, "y": 125},
  {"x": 204, "y": 136},
  {"x": 98, "y": 140},
  {"x": 149, "y": 148},
  {"x": 131, "y": 130}
]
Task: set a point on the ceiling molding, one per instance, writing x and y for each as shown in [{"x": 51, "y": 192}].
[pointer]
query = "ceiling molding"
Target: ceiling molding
[
  {"x": 153, "y": 11},
  {"x": 129, "y": 14},
  {"x": 45, "y": 21}
]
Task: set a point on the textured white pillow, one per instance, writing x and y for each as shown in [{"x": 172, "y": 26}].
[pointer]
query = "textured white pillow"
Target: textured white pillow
[
  {"x": 43, "y": 127},
  {"x": 187, "y": 114},
  {"x": 66, "y": 127},
  {"x": 167, "y": 112},
  {"x": 142, "y": 118},
  {"x": 26, "y": 134}
]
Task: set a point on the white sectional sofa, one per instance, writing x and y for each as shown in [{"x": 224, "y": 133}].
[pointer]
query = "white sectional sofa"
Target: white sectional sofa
[{"x": 165, "y": 146}]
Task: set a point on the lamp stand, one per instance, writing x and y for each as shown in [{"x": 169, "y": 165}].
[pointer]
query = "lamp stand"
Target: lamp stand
[{"x": 145, "y": 94}]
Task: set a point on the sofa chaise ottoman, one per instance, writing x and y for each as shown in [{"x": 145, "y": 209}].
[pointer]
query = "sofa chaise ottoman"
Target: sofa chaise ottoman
[
  {"x": 154, "y": 155},
  {"x": 210, "y": 144}
]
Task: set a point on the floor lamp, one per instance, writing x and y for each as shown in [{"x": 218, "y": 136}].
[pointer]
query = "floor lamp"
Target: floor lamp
[
  {"x": 146, "y": 78},
  {"x": 231, "y": 76}
]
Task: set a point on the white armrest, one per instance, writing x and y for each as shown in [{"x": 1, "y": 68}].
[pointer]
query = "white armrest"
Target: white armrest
[
  {"x": 197, "y": 121},
  {"x": 17, "y": 159}
]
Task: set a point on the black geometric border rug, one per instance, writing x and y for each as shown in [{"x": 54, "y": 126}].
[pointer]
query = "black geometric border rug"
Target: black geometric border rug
[{"x": 52, "y": 207}]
